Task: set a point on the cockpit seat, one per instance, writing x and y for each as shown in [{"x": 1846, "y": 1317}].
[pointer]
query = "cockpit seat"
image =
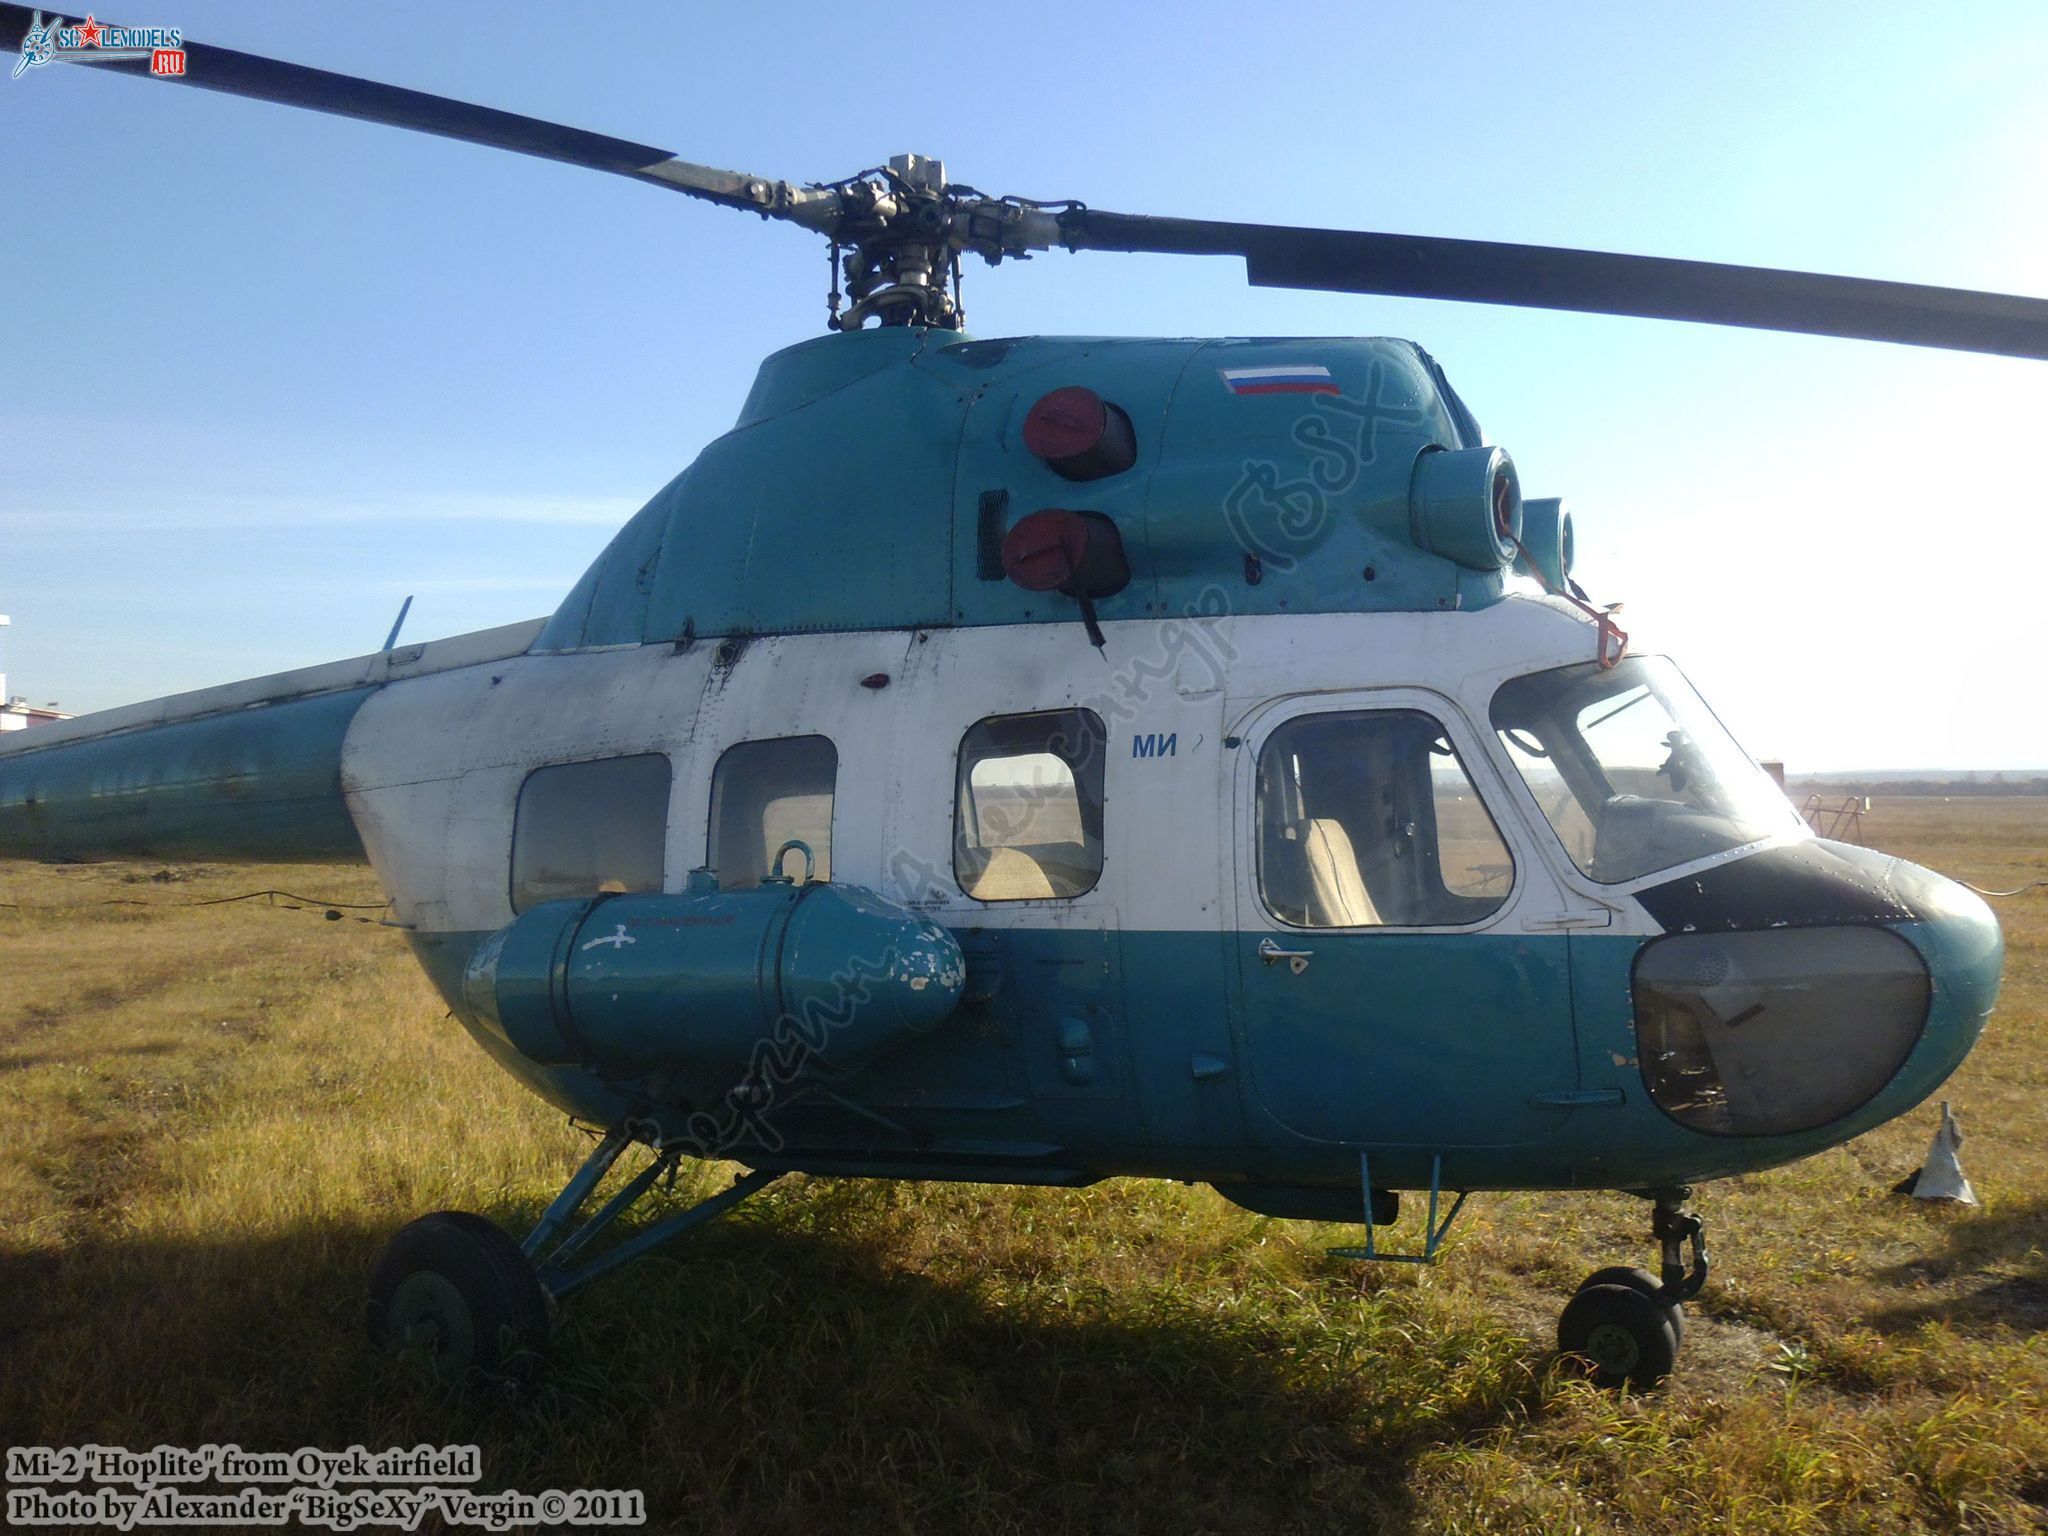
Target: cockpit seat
[{"x": 1338, "y": 898}]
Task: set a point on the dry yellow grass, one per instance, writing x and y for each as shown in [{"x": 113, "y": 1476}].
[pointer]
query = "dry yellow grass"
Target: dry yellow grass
[{"x": 211, "y": 1118}]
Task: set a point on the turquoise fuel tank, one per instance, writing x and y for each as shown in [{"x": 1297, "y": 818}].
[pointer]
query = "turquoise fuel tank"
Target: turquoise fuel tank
[{"x": 699, "y": 979}]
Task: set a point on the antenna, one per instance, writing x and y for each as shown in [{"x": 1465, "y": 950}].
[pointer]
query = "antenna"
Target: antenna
[{"x": 398, "y": 623}]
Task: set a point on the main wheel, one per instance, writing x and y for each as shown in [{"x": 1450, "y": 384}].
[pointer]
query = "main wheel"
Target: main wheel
[
  {"x": 1640, "y": 1280},
  {"x": 457, "y": 1288},
  {"x": 1624, "y": 1337}
]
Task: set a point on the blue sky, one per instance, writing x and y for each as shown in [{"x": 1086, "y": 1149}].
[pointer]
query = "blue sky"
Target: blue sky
[{"x": 264, "y": 372}]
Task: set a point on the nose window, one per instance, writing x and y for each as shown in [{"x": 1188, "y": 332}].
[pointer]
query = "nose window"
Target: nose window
[{"x": 1761, "y": 1034}]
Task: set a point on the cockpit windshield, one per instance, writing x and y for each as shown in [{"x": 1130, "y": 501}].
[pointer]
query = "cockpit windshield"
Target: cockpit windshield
[{"x": 1632, "y": 769}]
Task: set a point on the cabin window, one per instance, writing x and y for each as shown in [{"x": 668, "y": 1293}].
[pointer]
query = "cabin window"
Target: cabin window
[
  {"x": 582, "y": 829},
  {"x": 765, "y": 794},
  {"x": 1369, "y": 820},
  {"x": 1028, "y": 806}
]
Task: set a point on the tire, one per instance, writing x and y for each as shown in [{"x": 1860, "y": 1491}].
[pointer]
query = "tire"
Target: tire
[
  {"x": 456, "y": 1288},
  {"x": 1624, "y": 1337},
  {"x": 1641, "y": 1280}
]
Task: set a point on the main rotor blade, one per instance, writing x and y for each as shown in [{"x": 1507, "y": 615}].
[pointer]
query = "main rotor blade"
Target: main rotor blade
[
  {"x": 1597, "y": 282},
  {"x": 320, "y": 90}
]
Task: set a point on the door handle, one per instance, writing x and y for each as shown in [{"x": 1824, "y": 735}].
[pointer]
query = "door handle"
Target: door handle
[{"x": 1273, "y": 954}]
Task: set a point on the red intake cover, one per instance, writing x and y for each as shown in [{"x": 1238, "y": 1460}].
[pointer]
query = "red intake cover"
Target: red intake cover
[
  {"x": 1065, "y": 424},
  {"x": 1044, "y": 550}
]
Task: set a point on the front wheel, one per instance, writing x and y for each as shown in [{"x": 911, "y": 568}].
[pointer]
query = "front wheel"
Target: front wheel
[
  {"x": 1623, "y": 1336},
  {"x": 1640, "y": 1280}
]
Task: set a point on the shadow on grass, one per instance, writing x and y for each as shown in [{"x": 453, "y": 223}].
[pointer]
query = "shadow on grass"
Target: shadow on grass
[
  {"x": 1990, "y": 1275},
  {"x": 23, "y": 1062},
  {"x": 764, "y": 1380}
]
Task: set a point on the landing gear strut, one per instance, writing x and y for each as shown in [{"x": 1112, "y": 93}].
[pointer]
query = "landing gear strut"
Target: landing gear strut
[
  {"x": 479, "y": 1304},
  {"x": 1625, "y": 1323}
]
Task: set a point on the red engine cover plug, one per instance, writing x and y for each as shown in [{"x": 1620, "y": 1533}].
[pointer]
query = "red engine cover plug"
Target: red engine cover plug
[{"x": 1080, "y": 435}]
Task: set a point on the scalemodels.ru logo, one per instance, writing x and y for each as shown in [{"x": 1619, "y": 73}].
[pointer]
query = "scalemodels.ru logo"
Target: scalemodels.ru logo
[{"x": 91, "y": 43}]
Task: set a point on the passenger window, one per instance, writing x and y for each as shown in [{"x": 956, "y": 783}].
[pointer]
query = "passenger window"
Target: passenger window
[
  {"x": 586, "y": 828},
  {"x": 763, "y": 794},
  {"x": 1370, "y": 820},
  {"x": 1028, "y": 806}
]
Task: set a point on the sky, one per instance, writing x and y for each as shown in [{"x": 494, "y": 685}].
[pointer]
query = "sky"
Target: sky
[{"x": 263, "y": 373}]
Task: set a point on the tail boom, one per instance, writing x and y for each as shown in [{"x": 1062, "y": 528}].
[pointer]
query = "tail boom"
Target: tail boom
[{"x": 248, "y": 773}]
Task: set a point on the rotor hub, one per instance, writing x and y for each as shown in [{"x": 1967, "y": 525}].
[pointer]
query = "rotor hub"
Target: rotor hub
[{"x": 892, "y": 248}]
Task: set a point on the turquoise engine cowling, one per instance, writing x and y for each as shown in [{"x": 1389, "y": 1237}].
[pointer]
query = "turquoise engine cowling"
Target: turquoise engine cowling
[{"x": 701, "y": 979}]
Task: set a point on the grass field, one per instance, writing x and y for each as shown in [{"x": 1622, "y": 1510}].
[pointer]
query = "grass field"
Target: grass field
[{"x": 212, "y": 1117}]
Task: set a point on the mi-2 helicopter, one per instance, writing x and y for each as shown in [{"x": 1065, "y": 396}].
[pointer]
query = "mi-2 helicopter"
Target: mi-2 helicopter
[{"x": 1043, "y": 759}]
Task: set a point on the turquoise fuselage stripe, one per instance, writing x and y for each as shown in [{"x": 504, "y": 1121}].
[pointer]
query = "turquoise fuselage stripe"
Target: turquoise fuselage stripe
[{"x": 1097, "y": 1052}]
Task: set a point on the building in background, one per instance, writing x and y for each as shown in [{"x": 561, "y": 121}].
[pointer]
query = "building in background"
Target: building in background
[{"x": 19, "y": 714}]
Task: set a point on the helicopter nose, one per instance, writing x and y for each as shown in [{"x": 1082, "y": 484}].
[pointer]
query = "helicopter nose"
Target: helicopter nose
[
  {"x": 1958, "y": 938},
  {"x": 1851, "y": 985}
]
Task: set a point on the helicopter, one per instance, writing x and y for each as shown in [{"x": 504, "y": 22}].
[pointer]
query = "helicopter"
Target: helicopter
[{"x": 1044, "y": 759}]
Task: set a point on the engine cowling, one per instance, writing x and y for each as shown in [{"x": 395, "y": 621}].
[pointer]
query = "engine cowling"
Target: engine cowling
[{"x": 699, "y": 979}]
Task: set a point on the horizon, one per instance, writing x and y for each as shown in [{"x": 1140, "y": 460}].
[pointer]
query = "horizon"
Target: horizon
[{"x": 1922, "y": 775}]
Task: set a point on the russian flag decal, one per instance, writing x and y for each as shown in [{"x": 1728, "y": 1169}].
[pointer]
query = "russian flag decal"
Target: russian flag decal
[{"x": 1287, "y": 379}]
